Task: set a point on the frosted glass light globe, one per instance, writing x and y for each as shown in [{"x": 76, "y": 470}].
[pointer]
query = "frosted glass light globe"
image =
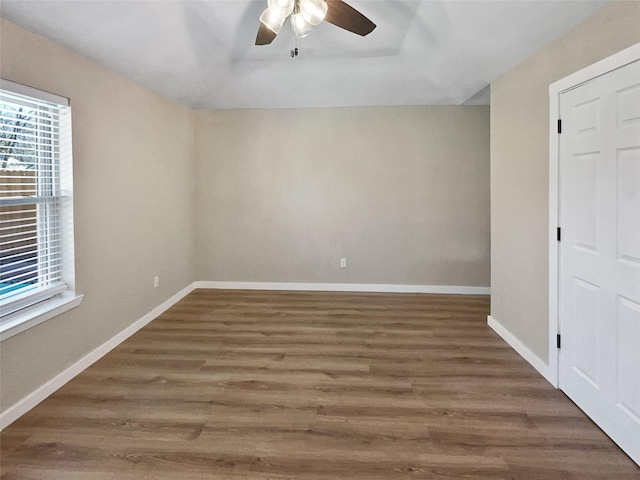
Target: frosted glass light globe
[
  {"x": 301, "y": 27},
  {"x": 284, "y": 6},
  {"x": 273, "y": 20},
  {"x": 313, "y": 11}
]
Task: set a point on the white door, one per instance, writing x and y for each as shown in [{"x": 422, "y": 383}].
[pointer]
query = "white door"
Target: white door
[{"x": 600, "y": 252}]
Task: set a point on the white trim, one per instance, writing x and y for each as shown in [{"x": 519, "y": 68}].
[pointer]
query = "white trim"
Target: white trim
[
  {"x": 37, "y": 314},
  {"x": 554, "y": 223},
  {"x": 570, "y": 82},
  {"x": 513, "y": 341},
  {"x": 27, "y": 91},
  {"x": 15, "y": 411},
  {"x": 345, "y": 287},
  {"x": 615, "y": 61}
]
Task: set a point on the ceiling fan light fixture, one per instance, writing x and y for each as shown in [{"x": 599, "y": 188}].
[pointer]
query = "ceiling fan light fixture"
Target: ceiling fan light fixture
[
  {"x": 301, "y": 27},
  {"x": 283, "y": 6},
  {"x": 313, "y": 11},
  {"x": 273, "y": 20},
  {"x": 305, "y": 14}
]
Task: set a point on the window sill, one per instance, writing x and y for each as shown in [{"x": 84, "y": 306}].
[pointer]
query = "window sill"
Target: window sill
[{"x": 21, "y": 321}]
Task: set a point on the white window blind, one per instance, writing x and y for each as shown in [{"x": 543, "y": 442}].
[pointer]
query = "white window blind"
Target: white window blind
[{"x": 36, "y": 226}]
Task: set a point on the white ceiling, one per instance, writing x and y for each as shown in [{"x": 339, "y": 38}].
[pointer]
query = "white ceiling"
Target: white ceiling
[{"x": 200, "y": 53}]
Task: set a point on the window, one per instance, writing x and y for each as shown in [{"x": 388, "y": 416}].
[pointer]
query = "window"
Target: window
[{"x": 36, "y": 208}]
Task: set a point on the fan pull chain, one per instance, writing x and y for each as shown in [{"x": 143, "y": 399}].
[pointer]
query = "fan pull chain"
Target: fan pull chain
[{"x": 294, "y": 50}]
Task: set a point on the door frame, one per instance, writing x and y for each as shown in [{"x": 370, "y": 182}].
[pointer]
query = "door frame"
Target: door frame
[{"x": 556, "y": 89}]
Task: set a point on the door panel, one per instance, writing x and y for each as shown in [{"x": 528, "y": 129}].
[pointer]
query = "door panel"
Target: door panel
[
  {"x": 586, "y": 201},
  {"x": 599, "y": 283},
  {"x": 628, "y": 379},
  {"x": 587, "y": 116},
  {"x": 628, "y": 205},
  {"x": 628, "y": 105},
  {"x": 586, "y": 305}
]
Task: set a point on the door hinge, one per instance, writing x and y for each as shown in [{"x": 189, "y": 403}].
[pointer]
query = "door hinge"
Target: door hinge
[
  {"x": 559, "y": 126},
  {"x": 558, "y": 341},
  {"x": 559, "y": 234}
]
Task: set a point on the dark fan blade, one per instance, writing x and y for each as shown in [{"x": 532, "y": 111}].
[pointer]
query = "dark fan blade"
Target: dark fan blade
[
  {"x": 347, "y": 17},
  {"x": 265, "y": 35}
]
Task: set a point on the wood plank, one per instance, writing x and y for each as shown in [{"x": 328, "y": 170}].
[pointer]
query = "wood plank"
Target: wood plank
[{"x": 257, "y": 385}]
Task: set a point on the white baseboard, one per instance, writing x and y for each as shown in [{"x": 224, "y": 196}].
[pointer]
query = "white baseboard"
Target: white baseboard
[
  {"x": 18, "y": 409},
  {"x": 535, "y": 361},
  {"x": 346, "y": 287}
]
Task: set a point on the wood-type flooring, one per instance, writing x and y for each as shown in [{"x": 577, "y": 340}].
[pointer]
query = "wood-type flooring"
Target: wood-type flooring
[{"x": 254, "y": 385}]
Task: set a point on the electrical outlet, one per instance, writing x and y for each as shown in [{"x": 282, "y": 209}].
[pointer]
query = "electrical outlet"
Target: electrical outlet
[
  {"x": 156, "y": 281},
  {"x": 343, "y": 263}
]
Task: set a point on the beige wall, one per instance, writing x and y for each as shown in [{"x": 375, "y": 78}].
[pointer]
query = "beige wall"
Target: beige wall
[
  {"x": 520, "y": 168},
  {"x": 282, "y": 195},
  {"x": 133, "y": 173},
  {"x": 401, "y": 192}
]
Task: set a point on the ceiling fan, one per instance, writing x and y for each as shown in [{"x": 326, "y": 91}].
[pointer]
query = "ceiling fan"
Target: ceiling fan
[{"x": 305, "y": 14}]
